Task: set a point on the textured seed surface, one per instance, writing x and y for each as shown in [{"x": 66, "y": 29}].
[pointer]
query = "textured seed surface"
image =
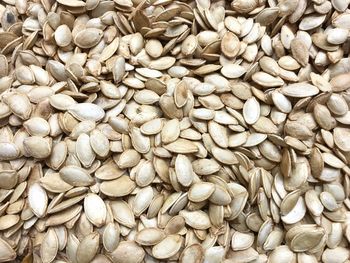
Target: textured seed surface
[{"x": 174, "y": 131}]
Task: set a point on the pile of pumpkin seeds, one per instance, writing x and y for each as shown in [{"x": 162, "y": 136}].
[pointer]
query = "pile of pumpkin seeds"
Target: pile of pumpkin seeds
[{"x": 174, "y": 131}]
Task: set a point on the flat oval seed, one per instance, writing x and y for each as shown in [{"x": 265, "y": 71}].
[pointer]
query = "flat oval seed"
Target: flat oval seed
[
  {"x": 167, "y": 247},
  {"x": 49, "y": 246},
  {"x": 95, "y": 209},
  {"x": 87, "y": 248},
  {"x": 88, "y": 38},
  {"x": 6, "y": 251},
  {"x": 75, "y": 176},
  {"x": 150, "y": 236},
  {"x": 128, "y": 252},
  {"x": 86, "y": 112},
  {"x": 184, "y": 170},
  {"x": 251, "y": 111},
  {"x": 63, "y": 36},
  {"x": 37, "y": 199}
]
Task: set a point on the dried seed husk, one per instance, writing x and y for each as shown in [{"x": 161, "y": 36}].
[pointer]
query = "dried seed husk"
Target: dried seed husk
[
  {"x": 49, "y": 246},
  {"x": 310, "y": 22},
  {"x": 88, "y": 248},
  {"x": 8, "y": 221},
  {"x": 300, "y": 90},
  {"x": 150, "y": 236},
  {"x": 154, "y": 48},
  {"x": 111, "y": 237},
  {"x": 86, "y": 111},
  {"x": 241, "y": 241},
  {"x": 282, "y": 254},
  {"x": 181, "y": 94},
  {"x": 320, "y": 40},
  {"x": 37, "y": 199},
  {"x": 54, "y": 183},
  {"x": 218, "y": 133},
  {"x": 181, "y": 146},
  {"x": 75, "y": 176},
  {"x": 251, "y": 111},
  {"x": 328, "y": 201},
  {"x": 233, "y": 71},
  {"x": 296, "y": 214},
  {"x": 307, "y": 240},
  {"x": 192, "y": 254},
  {"x": 300, "y": 51},
  {"x": 127, "y": 252},
  {"x": 25, "y": 75},
  {"x": 19, "y": 105},
  {"x": 37, "y": 126},
  {"x": 189, "y": 45},
  {"x": 184, "y": 170},
  {"x": 63, "y": 36},
  {"x": 170, "y": 131},
  {"x": 165, "y": 117},
  {"x": 265, "y": 125},
  {"x": 38, "y": 147},
  {"x": 267, "y": 16},
  {"x": 339, "y": 253},
  {"x": 8, "y": 151},
  {"x": 122, "y": 213},
  {"x": 230, "y": 45},
  {"x": 8, "y": 179},
  {"x": 95, "y": 209},
  {"x": 61, "y": 101},
  {"x": 84, "y": 150},
  {"x": 267, "y": 80},
  {"x": 340, "y": 82},
  {"x": 99, "y": 143},
  {"x": 129, "y": 158},
  {"x": 88, "y": 38},
  {"x": 196, "y": 219},
  {"x": 337, "y": 104},
  {"x": 313, "y": 203},
  {"x": 167, "y": 247},
  {"x": 142, "y": 200},
  {"x": 332, "y": 160},
  {"x": 341, "y": 136},
  {"x": 118, "y": 69},
  {"x": 6, "y": 251},
  {"x": 121, "y": 186},
  {"x": 200, "y": 191},
  {"x": 205, "y": 166}
]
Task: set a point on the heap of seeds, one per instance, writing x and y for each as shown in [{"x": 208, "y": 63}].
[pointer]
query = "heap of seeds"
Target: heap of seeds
[{"x": 175, "y": 131}]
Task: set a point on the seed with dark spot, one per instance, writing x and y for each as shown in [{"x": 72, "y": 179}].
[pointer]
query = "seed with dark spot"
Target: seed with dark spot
[{"x": 10, "y": 18}]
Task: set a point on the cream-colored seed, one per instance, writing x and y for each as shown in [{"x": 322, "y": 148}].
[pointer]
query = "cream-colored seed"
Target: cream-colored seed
[{"x": 176, "y": 131}]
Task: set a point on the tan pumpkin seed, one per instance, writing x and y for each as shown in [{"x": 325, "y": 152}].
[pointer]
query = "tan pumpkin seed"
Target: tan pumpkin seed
[
  {"x": 150, "y": 236},
  {"x": 87, "y": 248},
  {"x": 122, "y": 213},
  {"x": 37, "y": 199},
  {"x": 49, "y": 246},
  {"x": 196, "y": 219},
  {"x": 86, "y": 111},
  {"x": 111, "y": 237},
  {"x": 127, "y": 252},
  {"x": 118, "y": 187},
  {"x": 184, "y": 170},
  {"x": 88, "y": 38},
  {"x": 200, "y": 191},
  {"x": 75, "y": 176},
  {"x": 241, "y": 241},
  {"x": 7, "y": 252},
  {"x": 156, "y": 121},
  {"x": 95, "y": 209},
  {"x": 167, "y": 247}
]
